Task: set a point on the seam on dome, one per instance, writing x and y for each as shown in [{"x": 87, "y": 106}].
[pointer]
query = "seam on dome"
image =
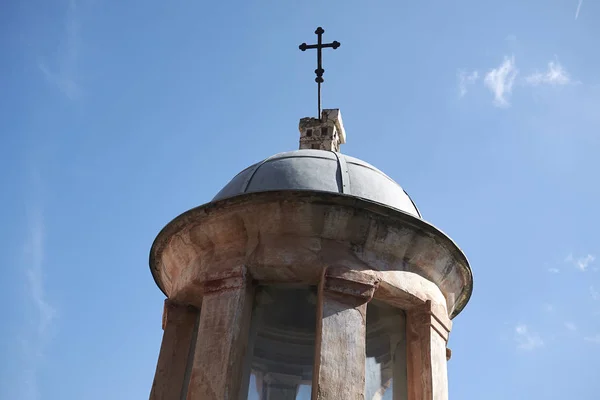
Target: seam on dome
[
  {"x": 258, "y": 164},
  {"x": 274, "y": 157},
  {"x": 341, "y": 161},
  {"x": 251, "y": 175},
  {"x": 413, "y": 203},
  {"x": 342, "y": 164},
  {"x": 244, "y": 170},
  {"x": 374, "y": 169}
]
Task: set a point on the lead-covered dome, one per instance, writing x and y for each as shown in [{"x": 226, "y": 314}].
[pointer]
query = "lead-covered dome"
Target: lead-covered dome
[{"x": 320, "y": 170}]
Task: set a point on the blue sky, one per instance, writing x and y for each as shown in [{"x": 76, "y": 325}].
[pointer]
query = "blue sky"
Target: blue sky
[{"x": 117, "y": 116}]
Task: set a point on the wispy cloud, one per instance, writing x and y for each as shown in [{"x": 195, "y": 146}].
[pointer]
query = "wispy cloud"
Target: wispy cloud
[
  {"x": 35, "y": 338},
  {"x": 34, "y": 249},
  {"x": 64, "y": 74},
  {"x": 570, "y": 326},
  {"x": 593, "y": 339},
  {"x": 581, "y": 263},
  {"x": 500, "y": 81},
  {"x": 527, "y": 340},
  {"x": 548, "y": 308},
  {"x": 554, "y": 75},
  {"x": 578, "y": 9},
  {"x": 553, "y": 270},
  {"x": 465, "y": 79}
]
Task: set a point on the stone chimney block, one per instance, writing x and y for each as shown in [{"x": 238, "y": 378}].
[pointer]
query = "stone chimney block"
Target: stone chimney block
[{"x": 326, "y": 133}]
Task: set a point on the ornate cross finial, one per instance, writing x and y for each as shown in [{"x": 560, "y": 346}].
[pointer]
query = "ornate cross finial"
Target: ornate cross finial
[{"x": 319, "y": 71}]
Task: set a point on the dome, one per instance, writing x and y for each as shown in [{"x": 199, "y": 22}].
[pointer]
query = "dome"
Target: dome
[{"x": 320, "y": 170}]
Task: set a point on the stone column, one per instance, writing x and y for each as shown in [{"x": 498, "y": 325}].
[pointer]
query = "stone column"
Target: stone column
[
  {"x": 339, "y": 371},
  {"x": 180, "y": 324},
  {"x": 222, "y": 342},
  {"x": 427, "y": 335}
]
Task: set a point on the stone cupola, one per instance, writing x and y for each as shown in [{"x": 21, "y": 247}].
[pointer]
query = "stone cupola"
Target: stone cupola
[{"x": 311, "y": 275}]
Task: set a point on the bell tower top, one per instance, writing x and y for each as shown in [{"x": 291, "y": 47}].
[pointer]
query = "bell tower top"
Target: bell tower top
[
  {"x": 346, "y": 292},
  {"x": 326, "y": 133}
]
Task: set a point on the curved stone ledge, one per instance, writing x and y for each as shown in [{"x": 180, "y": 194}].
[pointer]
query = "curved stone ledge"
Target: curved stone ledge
[
  {"x": 292, "y": 236},
  {"x": 408, "y": 291}
]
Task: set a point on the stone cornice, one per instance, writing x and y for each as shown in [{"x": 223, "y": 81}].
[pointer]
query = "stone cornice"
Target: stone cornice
[{"x": 292, "y": 236}]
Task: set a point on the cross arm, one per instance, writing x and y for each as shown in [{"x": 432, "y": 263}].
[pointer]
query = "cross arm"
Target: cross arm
[{"x": 334, "y": 45}]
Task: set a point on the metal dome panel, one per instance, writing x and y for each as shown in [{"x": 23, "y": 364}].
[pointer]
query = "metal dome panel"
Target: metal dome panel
[{"x": 320, "y": 170}]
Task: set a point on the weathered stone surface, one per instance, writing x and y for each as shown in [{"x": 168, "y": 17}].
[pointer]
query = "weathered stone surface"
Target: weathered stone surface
[
  {"x": 354, "y": 249},
  {"x": 427, "y": 364},
  {"x": 293, "y": 236},
  {"x": 217, "y": 372},
  {"x": 349, "y": 283},
  {"x": 326, "y": 133},
  {"x": 341, "y": 326},
  {"x": 407, "y": 290},
  {"x": 180, "y": 324}
]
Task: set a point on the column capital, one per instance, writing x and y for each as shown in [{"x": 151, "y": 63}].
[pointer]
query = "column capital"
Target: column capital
[
  {"x": 344, "y": 281},
  {"x": 229, "y": 279},
  {"x": 176, "y": 312},
  {"x": 429, "y": 315},
  {"x": 218, "y": 278}
]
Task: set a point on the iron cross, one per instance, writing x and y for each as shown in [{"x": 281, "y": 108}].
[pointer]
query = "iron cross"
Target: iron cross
[{"x": 319, "y": 71}]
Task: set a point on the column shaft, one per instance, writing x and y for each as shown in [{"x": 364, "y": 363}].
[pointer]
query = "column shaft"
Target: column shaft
[
  {"x": 180, "y": 324},
  {"x": 339, "y": 371},
  {"x": 427, "y": 336},
  {"x": 223, "y": 332}
]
